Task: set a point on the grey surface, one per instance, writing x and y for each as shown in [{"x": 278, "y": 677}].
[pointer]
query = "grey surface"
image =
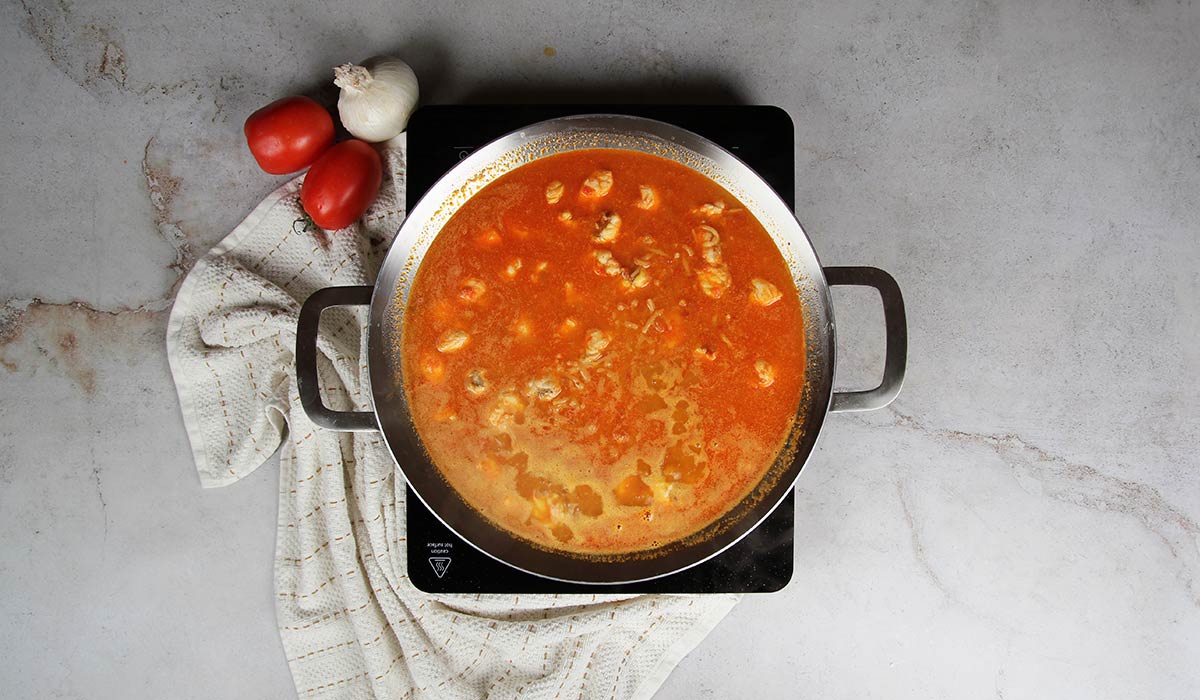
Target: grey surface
[{"x": 1022, "y": 522}]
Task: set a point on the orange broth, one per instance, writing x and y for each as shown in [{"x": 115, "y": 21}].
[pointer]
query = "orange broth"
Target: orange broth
[{"x": 603, "y": 351}]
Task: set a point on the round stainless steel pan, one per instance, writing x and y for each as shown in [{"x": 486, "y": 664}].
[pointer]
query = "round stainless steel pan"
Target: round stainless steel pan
[{"x": 389, "y": 297}]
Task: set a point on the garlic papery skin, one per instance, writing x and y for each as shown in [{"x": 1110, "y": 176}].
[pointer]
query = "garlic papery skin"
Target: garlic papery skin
[{"x": 377, "y": 97}]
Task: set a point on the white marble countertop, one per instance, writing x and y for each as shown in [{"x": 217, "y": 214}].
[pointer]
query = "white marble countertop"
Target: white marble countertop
[{"x": 1021, "y": 523}]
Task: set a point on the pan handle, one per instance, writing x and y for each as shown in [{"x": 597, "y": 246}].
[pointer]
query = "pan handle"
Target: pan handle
[
  {"x": 307, "y": 382},
  {"x": 896, "y": 352}
]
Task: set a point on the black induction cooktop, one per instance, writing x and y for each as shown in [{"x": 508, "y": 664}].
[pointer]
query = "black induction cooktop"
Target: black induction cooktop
[{"x": 438, "y": 137}]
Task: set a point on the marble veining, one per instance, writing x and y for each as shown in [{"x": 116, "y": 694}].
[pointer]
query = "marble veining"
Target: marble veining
[{"x": 1041, "y": 473}]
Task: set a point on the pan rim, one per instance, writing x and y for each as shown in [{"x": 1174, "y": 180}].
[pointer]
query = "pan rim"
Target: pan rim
[{"x": 387, "y": 386}]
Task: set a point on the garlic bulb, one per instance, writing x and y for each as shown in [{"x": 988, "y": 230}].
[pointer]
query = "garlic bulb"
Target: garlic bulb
[{"x": 377, "y": 97}]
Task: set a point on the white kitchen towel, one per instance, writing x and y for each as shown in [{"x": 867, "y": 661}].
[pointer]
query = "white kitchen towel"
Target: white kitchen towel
[{"x": 353, "y": 626}]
